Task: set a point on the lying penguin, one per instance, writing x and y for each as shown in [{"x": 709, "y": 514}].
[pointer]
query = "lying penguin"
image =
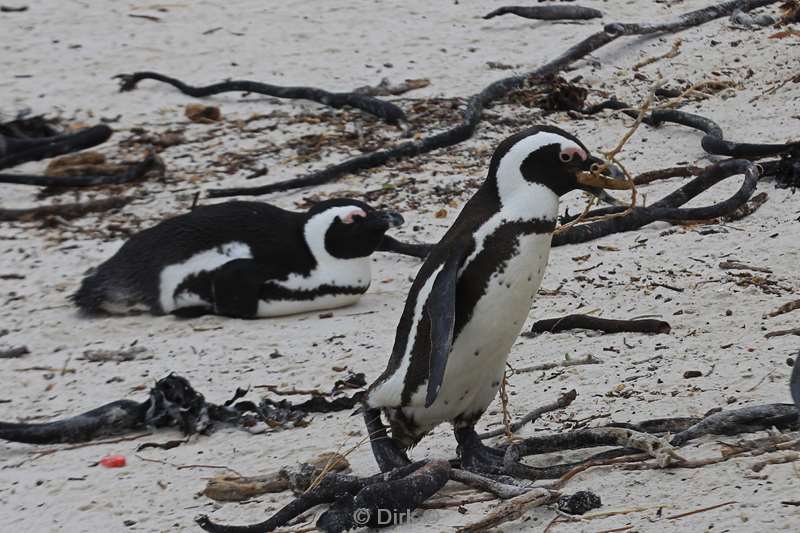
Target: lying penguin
[
  {"x": 471, "y": 297},
  {"x": 245, "y": 259}
]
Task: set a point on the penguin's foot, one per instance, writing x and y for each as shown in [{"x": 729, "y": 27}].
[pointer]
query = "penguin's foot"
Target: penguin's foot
[
  {"x": 476, "y": 456},
  {"x": 387, "y": 453}
]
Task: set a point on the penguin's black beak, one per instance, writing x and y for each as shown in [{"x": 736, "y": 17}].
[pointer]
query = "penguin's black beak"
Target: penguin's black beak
[
  {"x": 391, "y": 218},
  {"x": 590, "y": 179}
]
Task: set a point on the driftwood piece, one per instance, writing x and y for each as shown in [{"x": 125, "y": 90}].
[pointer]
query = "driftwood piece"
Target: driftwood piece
[
  {"x": 584, "y": 438},
  {"x": 18, "y": 151},
  {"x": 789, "y": 457},
  {"x": 498, "y": 488},
  {"x": 563, "y": 401},
  {"x": 589, "y": 359},
  {"x": 782, "y": 332},
  {"x": 747, "y": 20},
  {"x": 512, "y": 510},
  {"x": 66, "y": 211},
  {"x": 785, "y": 308},
  {"x": 547, "y": 12},
  {"x": 730, "y": 422},
  {"x": 660, "y": 425},
  {"x": 384, "y": 110},
  {"x": 738, "y": 265},
  {"x": 387, "y": 88},
  {"x": 230, "y": 488},
  {"x": 773, "y": 442},
  {"x": 474, "y": 108},
  {"x": 124, "y": 354},
  {"x": 674, "y": 51},
  {"x": 132, "y": 174},
  {"x": 331, "y": 488},
  {"x": 606, "y": 325}
]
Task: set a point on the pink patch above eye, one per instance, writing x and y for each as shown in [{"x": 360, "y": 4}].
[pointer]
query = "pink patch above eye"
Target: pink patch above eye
[
  {"x": 569, "y": 153},
  {"x": 349, "y": 217}
]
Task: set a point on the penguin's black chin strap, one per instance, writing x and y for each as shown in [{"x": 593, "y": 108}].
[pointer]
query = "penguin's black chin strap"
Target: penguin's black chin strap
[{"x": 387, "y": 453}]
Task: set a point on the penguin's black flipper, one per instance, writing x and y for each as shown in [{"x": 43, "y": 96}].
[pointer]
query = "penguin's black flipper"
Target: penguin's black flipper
[
  {"x": 236, "y": 287},
  {"x": 794, "y": 382},
  {"x": 440, "y": 308},
  {"x": 194, "y": 311}
]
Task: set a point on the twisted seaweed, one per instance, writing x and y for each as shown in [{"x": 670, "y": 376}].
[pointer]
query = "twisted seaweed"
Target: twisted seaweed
[
  {"x": 374, "y": 106},
  {"x": 472, "y": 114}
]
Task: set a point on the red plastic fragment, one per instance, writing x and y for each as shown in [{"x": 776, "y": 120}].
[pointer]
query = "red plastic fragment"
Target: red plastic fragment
[{"x": 113, "y": 461}]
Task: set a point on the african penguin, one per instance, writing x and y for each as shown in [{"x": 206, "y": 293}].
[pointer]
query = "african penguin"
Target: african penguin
[
  {"x": 243, "y": 259},
  {"x": 472, "y": 295}
]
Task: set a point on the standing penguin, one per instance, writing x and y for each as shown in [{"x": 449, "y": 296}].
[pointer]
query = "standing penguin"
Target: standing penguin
[
  {"x": 471, "y": 297},
  {"x": 244, "y": 259}
]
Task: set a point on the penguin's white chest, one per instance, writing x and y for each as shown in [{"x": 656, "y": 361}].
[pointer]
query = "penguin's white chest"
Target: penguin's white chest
[{"x": 478, "y": 356}]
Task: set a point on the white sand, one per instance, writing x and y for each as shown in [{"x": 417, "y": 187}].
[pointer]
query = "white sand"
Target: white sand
[{"x": 340, "y": 46}]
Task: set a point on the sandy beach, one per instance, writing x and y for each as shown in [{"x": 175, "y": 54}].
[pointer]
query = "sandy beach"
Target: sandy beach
[{"x": 58, "y": 59}]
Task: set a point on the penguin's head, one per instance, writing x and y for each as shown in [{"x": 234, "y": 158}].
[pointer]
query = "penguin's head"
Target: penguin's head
[
  {"x": 349, "y": 228},
  {"x": 551, "y": 157}
]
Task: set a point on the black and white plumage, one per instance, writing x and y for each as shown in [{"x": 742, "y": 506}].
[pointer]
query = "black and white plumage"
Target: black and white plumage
[
  {"x": 243, "y": 259},
  {"x": 472, "y": 295}
]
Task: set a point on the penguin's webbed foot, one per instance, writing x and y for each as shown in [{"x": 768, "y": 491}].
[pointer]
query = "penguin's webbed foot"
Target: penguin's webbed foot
[
  {"x": 387, "y": 453},
  {"x": 498, "y": 463},
  {"x": 476, "y": 456}
]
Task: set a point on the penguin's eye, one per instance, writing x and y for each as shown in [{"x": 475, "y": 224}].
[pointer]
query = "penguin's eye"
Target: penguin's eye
[
  {"x": 595, "y": 168},
  {"x": 566, "y": 157}
]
